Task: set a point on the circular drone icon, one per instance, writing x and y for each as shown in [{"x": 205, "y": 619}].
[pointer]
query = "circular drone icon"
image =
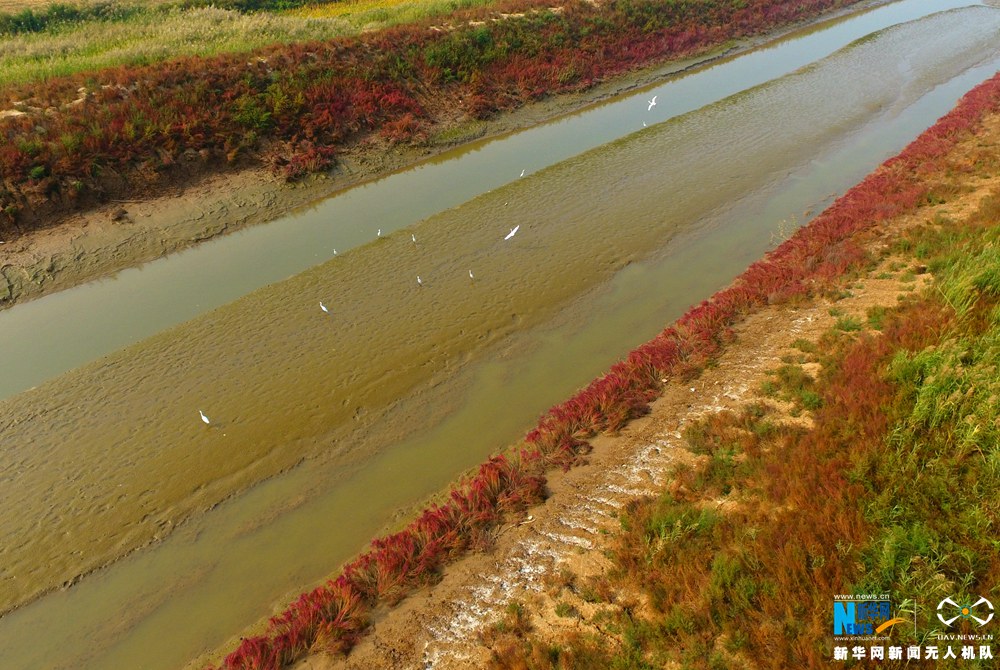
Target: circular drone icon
[{"x": 965, "y": 611}]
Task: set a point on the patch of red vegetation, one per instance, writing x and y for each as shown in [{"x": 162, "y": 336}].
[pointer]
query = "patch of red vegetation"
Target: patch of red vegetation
[{"x": 332, "y": 617}]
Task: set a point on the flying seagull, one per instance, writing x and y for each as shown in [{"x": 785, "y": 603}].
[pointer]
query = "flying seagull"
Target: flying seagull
[
  {"x": 513, "y": 232},
  {"x": 204, "y": 418},
  {"x": 324, "y": 307},
  {"x": 652, "y": 103}
]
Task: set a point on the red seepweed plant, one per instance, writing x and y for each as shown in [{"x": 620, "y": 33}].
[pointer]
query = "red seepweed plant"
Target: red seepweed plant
[{"x": 332, "y": 616}]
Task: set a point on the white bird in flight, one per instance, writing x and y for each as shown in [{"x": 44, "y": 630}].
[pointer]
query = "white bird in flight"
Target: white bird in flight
[
  {"x": 513, "y": 231},
  {"x": 204, "y": 418},
  {"x": 324, "y": 307},
  {"x": 652, "y": 103}
]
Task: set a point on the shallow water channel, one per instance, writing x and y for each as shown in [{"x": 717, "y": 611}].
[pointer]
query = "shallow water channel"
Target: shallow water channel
[{"x": 368, "y": 410}]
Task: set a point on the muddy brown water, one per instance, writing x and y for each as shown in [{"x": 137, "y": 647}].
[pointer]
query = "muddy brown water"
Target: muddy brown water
[{"x": 402, "y": 386}]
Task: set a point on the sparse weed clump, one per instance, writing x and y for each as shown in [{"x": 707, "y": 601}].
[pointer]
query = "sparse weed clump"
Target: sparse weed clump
[
  {"x": 793, "y": 384},
  {"x": 848, "y": 324},
  {"x": 875, "y": 317}
]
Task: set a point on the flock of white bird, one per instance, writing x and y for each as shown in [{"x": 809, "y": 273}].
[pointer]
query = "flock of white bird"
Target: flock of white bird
[{"x": 413, "y": 238}]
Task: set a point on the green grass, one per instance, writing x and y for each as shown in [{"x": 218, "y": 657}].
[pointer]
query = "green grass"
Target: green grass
[
  {"x": 848, "y": 324},
  {"x": 369, "y": 14},
  {"x": 805, "y": 346},
  {"x": 567, "y": 611},
  {"x": 148, "y": 36},
  {"x": 141, "y": 33},
  {"x": 792, "y": 383},
  {"x": 875, "y": 317}
]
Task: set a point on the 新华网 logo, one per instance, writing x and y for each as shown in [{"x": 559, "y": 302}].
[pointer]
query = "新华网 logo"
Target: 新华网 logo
[{"x": 862, "y": 616}]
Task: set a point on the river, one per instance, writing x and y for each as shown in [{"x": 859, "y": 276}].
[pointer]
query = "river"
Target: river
[{"x": 325, "y": 426}]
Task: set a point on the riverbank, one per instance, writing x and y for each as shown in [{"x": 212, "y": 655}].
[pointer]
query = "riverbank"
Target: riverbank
[{"x": 119, "y": 234}]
